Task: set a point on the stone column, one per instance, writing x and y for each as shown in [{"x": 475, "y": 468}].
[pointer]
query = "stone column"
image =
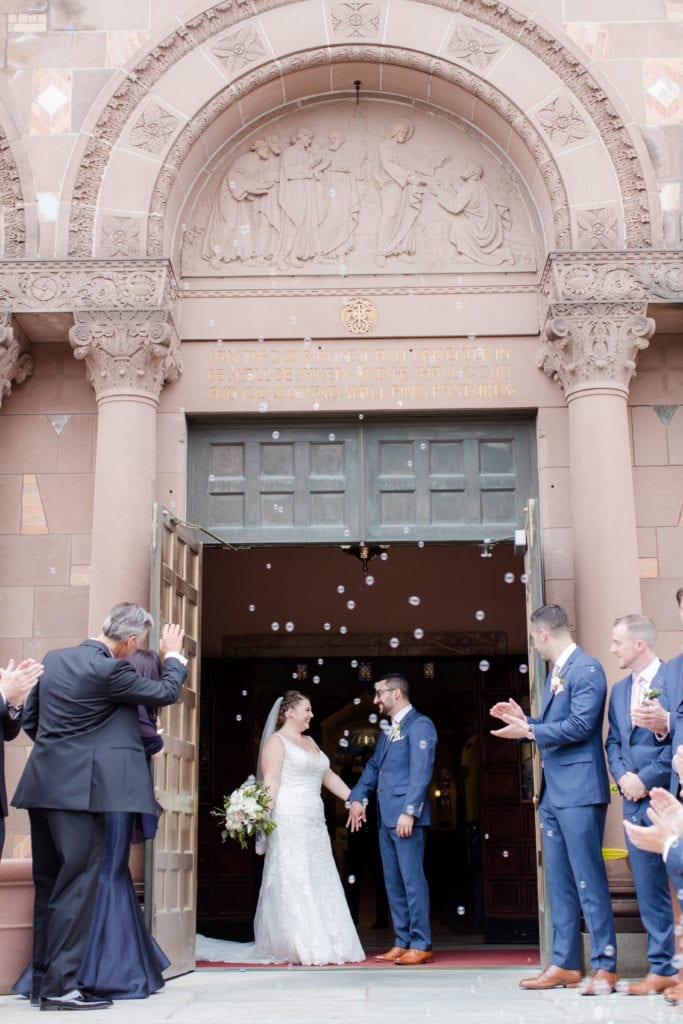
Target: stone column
[
  {"x": 129, "y": 356},
  {"x": 15, "y": 362},
  {"x": 590, "y": 352}
]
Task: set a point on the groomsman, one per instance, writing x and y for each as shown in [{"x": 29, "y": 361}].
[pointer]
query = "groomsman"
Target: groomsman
[
  {"x": 639, "y": 761},
  {"x": 573, "y": 803}
]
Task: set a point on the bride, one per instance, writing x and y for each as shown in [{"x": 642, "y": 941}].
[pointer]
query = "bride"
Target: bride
[{"x": 302, "y": 916}]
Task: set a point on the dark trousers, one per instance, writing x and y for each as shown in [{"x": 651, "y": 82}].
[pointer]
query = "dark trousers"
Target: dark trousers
[
  {"x": 67, "y": 848},
  {"x": 2, "y": 831}
]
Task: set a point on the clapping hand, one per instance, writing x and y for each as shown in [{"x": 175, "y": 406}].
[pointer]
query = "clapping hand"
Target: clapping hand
[
  {"x": 510, "y": 712},
  {"x": 666, "y": 815},
  {"x": 15, "y": 683},
  {"x": 651, "y": 715}
]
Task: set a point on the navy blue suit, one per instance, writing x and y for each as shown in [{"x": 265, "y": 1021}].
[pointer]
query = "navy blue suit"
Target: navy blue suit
[
  {"x": 401, "y": 770},
  {"x": 638, "y": 750},
  {"x": 573, "y": 807},
  {"x": 672, "y": 700}
]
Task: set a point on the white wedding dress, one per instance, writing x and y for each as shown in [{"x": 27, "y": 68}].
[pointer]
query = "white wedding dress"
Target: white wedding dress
[{"x": 302, "y": 916}]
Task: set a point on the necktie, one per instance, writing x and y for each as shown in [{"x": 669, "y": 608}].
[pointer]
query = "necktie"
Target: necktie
[
  {"x": 641, "y": 683},
  {"x": 555, "y": 679}
]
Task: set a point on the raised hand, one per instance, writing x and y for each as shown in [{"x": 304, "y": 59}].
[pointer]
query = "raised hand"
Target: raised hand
[
  {"x": 172, "y": 639},
  {"x": 507, "y": 710},
  {"x": 15, "y": 683}
]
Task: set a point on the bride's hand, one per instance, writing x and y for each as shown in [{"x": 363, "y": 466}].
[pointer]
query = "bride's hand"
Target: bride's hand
[{"x": 356, "y": 816}]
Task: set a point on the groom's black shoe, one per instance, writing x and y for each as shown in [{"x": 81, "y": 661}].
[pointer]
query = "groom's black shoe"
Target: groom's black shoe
[
  {"x": 392, "y": 956},
  {"x": 75, "y": 1001}
]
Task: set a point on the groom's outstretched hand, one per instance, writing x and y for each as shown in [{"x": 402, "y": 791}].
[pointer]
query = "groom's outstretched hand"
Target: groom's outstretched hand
[{"x": 356, "y": 816}]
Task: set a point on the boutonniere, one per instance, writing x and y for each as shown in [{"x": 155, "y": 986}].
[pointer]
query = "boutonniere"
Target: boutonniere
[
  {"x": 557, "y": 685},
  {"x": 651, "y": 694},
  {"x": 395, "y": 732}
]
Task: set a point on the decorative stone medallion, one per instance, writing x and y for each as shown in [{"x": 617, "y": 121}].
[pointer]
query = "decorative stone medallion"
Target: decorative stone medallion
[{"x": 359, "y": 316}]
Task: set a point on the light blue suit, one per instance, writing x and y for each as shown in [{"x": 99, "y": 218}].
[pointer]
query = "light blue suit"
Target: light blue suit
[
  {"x": 639, "y": 751},
  {"x": 573, "y": 807},
  {"x": 401, "y": 770}
]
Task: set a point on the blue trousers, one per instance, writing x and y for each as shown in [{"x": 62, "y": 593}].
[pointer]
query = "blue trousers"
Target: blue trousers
[{"x": 407, "y": 889}]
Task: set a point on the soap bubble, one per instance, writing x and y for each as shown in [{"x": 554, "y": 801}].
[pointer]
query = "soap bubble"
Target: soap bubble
[
  {"x": 275, "y": 435},
  {"x": 263, "y": 407},
  {"x": 354, "y": 663},
  {"x": 343, "y": 629},
  {"x": 356, "y": 700},
  {"x": 369, "y": 581},
  {"x": 351, "y": 879},
  {"x": 524, "y": 578},
  {"x": 484, "y": 666},
  {"x": 423, "y": 744},
  {"x": 460, "y": 911},
  {"x": 523, "y": 669},
  {"x": 289, "y": 626},
  {"x": 372, "y": 719},
  {"x": 238, "y": 718},
  {"x": 383, "y": 557},
  {"x": 244, "y": 693},
  {"x": 316, "y": 679},
  {"x": 341, "y": 588},
  {"x": 343, "y": 742},
  {"x": 268, "y": 565},
  {"x": 394, "y": 642},
  {"x": 326, "y": 626},
  {"x": 505, "y": 854},
  {"x": 351, "y": 605},
  {"x": 414, "y": 600},
  {"x": 321, "y": 661},
  {"x": 331, "y": 437},
  {"x": 480, "y": 615},
  {"x": 361, "y": 416},
  {"x": 418, "y": 633},
  {"x": 509, "y": 577},
  {"x": 275, "y": 626},
  {"x": 420, "y": 543},
  {"x": 252, "y": 607}
]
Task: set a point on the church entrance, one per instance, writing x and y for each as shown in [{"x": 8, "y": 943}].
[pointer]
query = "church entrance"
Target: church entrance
[{"x": 450, "y": 617}]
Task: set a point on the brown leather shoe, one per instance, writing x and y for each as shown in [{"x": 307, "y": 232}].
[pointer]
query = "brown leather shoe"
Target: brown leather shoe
[
  {"x": 674, "y": 995},
  {"x": 600, "y": 983},
  {"x": 392, "y": 956},
  {"x": 415, "y": 956},
  {"x": 552, "y": 977},
  {"x": 652, "y": 984}
]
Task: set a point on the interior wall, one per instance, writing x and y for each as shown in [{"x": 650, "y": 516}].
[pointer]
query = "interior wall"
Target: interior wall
[{"x": 299, "y": 586}]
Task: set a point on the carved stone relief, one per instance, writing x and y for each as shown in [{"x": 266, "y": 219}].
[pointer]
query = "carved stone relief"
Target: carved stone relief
[
  {"x": 95, "y": 284},
  {"x": 356, "y": 20},
  {"x": 121, "y": 236},
  {"x": 633, "y": 276},
  {"x": 562, "y": 122},
  {"x": 494, "y": 13},
  {"x": 239, "y": 49},
  {"x": 475, "y": 47},
  {"x": 153, "y": 129},
  {"x": 16, "y": 364},
  {"x": 336, "y": 191},
  {"x": 13, "y": 225},
  {"x": 597, "y": 229},
  {"x": 127, "y": 350}
]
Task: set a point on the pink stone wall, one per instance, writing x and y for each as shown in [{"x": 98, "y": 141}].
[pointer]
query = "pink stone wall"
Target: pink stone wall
[{"x": 47, "y": 447}]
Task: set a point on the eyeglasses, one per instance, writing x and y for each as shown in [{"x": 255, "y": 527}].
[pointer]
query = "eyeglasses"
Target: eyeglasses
[{"x": 379, "y": 693}]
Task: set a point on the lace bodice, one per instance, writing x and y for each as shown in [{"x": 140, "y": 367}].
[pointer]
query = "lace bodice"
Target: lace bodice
[{"x": 299, "y": 795}]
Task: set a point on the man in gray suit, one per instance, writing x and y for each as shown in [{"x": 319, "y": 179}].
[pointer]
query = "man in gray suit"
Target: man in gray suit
[{"x": 87, "y": 759}]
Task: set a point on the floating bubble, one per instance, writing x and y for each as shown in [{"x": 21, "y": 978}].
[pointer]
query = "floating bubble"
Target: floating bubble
[
  {"x": 244, "y": 693},
  {"x": 414, "y": 600},
  {"x": 53, "y": 570},
  {"x": 321, "y": 661},
  {"x": 275, "y": 626},
  {"x": 275, "y": 435},
  {"x": 384, "y": 725},
  {"x": 211, "y": 477},
  {"x": 523, "y": 669},
  {"x": 484, "y": 665},
  {"x": 351, "y": 605},
  {"x": 460, "y": 911},
  {"x": 356, "y": 700},
  {"x": 307, "y": 342},
  {"x": 347, "y": 804},
  {"x": 609, "y": 950},
  {"x": 361, "y": 416},
  {"x": 354, "y": 663},
  {"x": 331, "y": 437},
  {"x": 505, "y": 854},
  {"x": 326, "y": 625},
  {"x": 409, "y": 463},
  {"x": 289, "y": 626},
  {"x": 316, "y": 406},
  {"x": 372, "y": 719},
  {"x": 509, "y": 577},
  {"x": 418, "y": 633},
  {"x": 471, "y": 336},
  {"x": 550, "y": 833},
  {"x": 524, "y": 578},
  {"x": 406, "y": 529},
  {"x": 343, "y": 629},
  {"x": 341, "y": 588},
  {"x": 420, "y": 543},
  {"x": 410, "y": 809},
  {"x": 423, "y": 447},
  {"x": 582, "y": 884},
  {"x": 423, "y": 744},
  {"x": 292, "y": 320},
  {"x": 369, "y": 581},
  {"x": 347, "y": 533},
  {"x": 260, "y": 340},
  {"x": 316, "y": 679},
  {"x": 352, "y": 879},
  {"x": 343, "y": 742},
  {"x": 238, "y": 718},
  {"x": 365, "y": 801},
  {"x": 346, "y": 732},
  {"x": 394, "y": 642},
  {"x": 263, "y": 407},
  {"x": 383, "y": 557},
  {"x": 480, "y": 615},
  {"x": 269, "y": 565}
]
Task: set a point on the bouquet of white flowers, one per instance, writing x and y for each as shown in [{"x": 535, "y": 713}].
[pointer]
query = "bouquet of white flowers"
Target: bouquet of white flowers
[{"x": 246, "y": 812}]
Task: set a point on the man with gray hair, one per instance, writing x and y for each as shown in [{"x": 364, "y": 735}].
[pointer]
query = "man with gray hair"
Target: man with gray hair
[
  {"x": 638, "y": 762},
  {"x": 87, "y": 759}
]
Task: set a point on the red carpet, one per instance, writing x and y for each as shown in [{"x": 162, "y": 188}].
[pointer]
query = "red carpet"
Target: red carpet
[{"x": 474, "y": 956}]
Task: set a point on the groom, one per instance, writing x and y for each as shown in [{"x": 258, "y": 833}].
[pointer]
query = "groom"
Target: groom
[{"x": 400, "y": 770}]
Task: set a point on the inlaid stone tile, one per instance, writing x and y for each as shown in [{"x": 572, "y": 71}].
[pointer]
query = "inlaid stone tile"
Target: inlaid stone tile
[
  {"x": 592, "y": 37},
  {"x": 663, "y": 84},
  {"x": 32, "y": 512},
  {"x": 51, "y": 102},
  {"x": 122, "y": 45}
]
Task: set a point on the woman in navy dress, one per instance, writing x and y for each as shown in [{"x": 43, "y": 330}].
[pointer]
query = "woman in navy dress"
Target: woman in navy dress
[{"x": 123, "y": 961}]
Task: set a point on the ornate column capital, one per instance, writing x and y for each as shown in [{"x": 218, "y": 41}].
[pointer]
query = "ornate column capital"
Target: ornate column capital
[
  {"x": 594, "y": 345},
  {"x": 132, "y": 352},
  {"x": 15, "y": 362}
]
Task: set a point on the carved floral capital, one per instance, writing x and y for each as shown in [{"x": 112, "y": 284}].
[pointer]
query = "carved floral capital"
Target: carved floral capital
[
  {"x": 594, "y": 344},
  {"x": 15, "y": 362},
  {"x": 127, "y": 350}
]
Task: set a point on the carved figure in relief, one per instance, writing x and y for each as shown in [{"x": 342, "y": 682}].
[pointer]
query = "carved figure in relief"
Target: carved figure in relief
[
  {"x": 267, "y": 204},
  {"x": 478, "y": 227},
  {"x": 341, "y": 199},
  {"x": 401, "y": 182},
  {"x": 231, "y": 231},
  {"x": 303, "y": 163}
]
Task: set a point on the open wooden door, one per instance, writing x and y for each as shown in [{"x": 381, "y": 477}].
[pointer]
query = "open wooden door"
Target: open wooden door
[
  {"x": 171, "y": 867},
  {"x": 533, "y": 567}
]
